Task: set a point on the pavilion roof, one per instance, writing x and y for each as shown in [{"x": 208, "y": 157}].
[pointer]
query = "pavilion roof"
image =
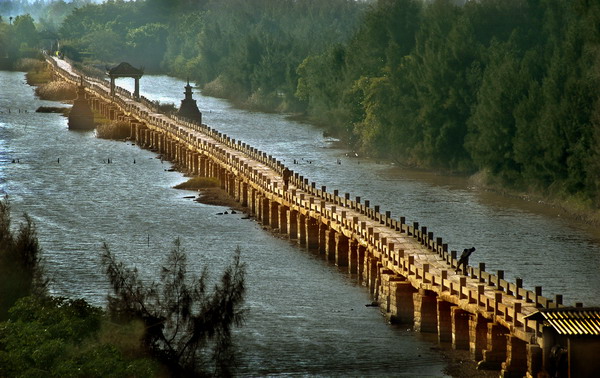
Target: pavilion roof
[
  {"x": 124, "y": 69},
  {"x": 578, "y": 321}
]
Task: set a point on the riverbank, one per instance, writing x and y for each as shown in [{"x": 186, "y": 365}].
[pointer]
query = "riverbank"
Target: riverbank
[{"x": 569, "y": 208}]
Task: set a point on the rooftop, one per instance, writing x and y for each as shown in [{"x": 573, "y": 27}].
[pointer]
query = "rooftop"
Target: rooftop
[{"x": 578, "y": 321}]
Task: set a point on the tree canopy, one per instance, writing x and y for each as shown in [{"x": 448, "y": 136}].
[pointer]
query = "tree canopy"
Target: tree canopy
[{"x": 504, "y": 87}]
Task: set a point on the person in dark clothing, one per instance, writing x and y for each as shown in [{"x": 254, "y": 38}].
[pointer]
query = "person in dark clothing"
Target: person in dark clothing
[
  {"x": 464, "y": 258},
  {"x": 286, "y": 178}
]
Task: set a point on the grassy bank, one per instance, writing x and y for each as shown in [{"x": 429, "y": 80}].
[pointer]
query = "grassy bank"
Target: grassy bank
[{"x": 39, "y": 75}]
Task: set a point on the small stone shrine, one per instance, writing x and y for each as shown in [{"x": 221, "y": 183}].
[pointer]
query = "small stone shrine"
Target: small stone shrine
[
  {"x": 189, "y": 108},
  {"x": 81, "y": 116}
]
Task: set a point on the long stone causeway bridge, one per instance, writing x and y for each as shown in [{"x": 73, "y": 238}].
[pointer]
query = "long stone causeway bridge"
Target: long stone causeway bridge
[{"x": 409, "y": 272}]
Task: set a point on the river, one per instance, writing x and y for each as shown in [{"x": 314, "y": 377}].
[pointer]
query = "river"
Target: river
[{"x": 306, "y": 317}]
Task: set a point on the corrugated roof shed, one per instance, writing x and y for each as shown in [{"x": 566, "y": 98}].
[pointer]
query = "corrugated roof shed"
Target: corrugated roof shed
[{"x": 575, "y": 321}]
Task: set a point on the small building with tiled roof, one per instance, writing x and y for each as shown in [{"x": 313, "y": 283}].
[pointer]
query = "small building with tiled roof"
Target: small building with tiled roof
[
  {"x": 125, "y": 69},
  {"x": 571, "y": 341}
]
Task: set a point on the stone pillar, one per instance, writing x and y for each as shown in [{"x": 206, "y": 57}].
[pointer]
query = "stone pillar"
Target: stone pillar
[
  {"x": 292, "y": 216},
  {"x": 177, "y": 150},
  {"x": 237, "y": 189},
  {"x": 264, "y": 211},
  {"x": 222, "y": 176},
  {"x": 232, "y": 187},
  {"x": 283, "y": 220},
  {"x": 360, "y": 262},
  {"x": 352, "y": 256},
  {"x": 516, "y": 358},
  {"x": 444, "y": 320},
  {"x": 133, "y": 129},
  {"x": 341, "y": 250},
  {"x": 330, "y": 244},
  {"x": 252, "y": 200},
  {"x": 402, "y": 307},
  {"x": 195, "y": 165},
  {"x": 495, "y": 353},
  {"x": 534, "y": 360},
  {"x": 425, "y": 311},
  {"x": 460, "y": 329},
  {"x": 301, "y": 229},
  {"x": 244, "y": 194},
  {"x": 212, "y": 171},
  {"x": 161, "y": 143},
  {"x": 312, "y": 233},
  {"x": 477, "y": 336},
  {"x": 274, "y": 215},
  {"x": 372, "y": 271},
  {"x": 323, "y": 237}
]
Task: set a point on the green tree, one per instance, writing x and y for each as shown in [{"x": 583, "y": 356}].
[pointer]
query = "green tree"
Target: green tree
[
  {"x": 147, "y": 45},
  {"x": 21, "y": 270},
  {"x": 493, "y": 125},
  {"x": 58, "y": 337},
  {"x": 187, "y": 327}
]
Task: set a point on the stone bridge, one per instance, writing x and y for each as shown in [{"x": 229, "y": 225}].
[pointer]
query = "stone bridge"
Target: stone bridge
[{"x": 409, "y": 272}]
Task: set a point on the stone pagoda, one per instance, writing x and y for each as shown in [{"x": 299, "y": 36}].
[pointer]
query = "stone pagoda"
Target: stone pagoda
[
  {"x": 189, "y": 108},
  {"x": 81, "y": 116}
]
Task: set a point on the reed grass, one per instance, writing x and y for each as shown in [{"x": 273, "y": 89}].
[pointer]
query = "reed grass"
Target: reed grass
[
  {"x": 196, "y": 183},
  {"x": 30, "y": 64},
  {"x": 56, "y": 91},
  {"x": 37, "y": 71},
  {"x": 118, "y": 130}
]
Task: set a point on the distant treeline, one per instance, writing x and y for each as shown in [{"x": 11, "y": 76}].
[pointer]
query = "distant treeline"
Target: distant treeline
[{"x": 508, "y": 88}]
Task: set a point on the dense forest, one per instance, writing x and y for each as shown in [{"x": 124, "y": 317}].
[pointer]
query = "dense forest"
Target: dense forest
[{"x": 506, "y": 88}]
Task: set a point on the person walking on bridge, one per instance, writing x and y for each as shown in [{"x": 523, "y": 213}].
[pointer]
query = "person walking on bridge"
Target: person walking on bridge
[
  {"x": 286, "y": 178},
  {"x": 464, "y": 258}
]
